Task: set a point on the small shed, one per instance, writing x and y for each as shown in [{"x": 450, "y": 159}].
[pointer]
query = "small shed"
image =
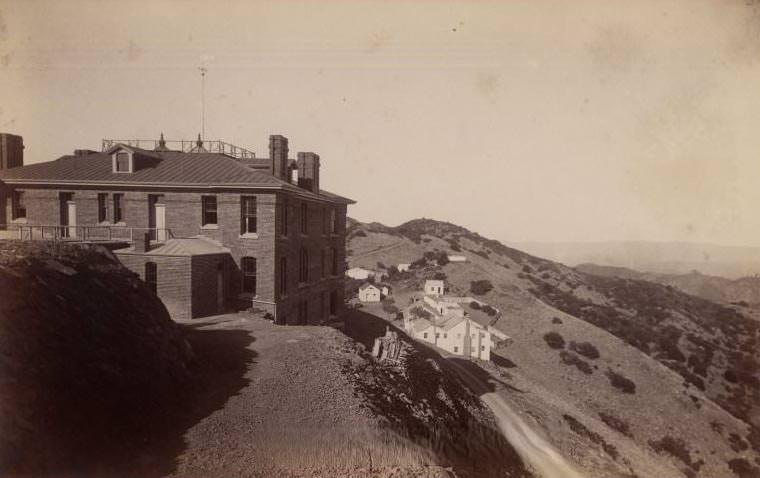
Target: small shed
[{"x": 369, "y": 293}]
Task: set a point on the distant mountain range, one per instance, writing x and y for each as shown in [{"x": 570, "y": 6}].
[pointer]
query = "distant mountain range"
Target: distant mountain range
[
  {"x": 714, "y": 288},
  {"x": 657, "y": 257}
]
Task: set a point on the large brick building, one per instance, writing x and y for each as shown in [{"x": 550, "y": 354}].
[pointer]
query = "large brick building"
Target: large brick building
[{"x": 208, "y": 225}]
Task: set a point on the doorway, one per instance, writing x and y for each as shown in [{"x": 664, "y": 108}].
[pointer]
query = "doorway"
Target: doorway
[
  {"x": 68, "y": 215},
  {"x": 220, "y": 288},
  {"x": 156, "y": 214}
]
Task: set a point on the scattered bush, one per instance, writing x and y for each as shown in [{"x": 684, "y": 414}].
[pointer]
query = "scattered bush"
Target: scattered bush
[
  {"x": 620, "y": 382},
  {"x": 481, "y": 287},
  {"x": 489, "y": 310},
  {"x": 527, "y": 269},
  {"x": 475, "y": 305},
  {"x": 380, "y": 265},
  {"x": 742, "y": 468},
  {"x": 677, "y": 448},
  {"x": 581, "y": 430},
  {"x": 439, "y": 276},
  {"x": 586, "y": 349},
  {"x": 421, "y": 313},
  {"x": 616, "y": 423},
  {"x": 569, "y": 358},
  {"x": 442, "y": 259},
  {"x": 554, "y": 340},
  {"x": 556, "y": 320},
  {"x": 737, "y": 442}
]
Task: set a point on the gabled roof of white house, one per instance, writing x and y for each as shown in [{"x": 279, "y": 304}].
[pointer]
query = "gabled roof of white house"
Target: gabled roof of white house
[{"x": 367, "y": 285}]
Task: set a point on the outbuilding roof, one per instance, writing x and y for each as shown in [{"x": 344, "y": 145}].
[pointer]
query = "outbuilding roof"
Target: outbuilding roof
[
  {"x": 192, "y": 246},
  {"x": 157, "y": 169}
]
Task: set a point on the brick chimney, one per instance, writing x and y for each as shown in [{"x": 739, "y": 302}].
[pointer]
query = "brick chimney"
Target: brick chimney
[
  {"x": 308, "y": 171},
  {"x": 278, "y": 152},
  {"x": 11, "y": 151},
  {"x": 142, "y": 244}
]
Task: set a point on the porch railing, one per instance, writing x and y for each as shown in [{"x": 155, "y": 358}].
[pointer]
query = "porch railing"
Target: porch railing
[{"x": 48, "y": 232}]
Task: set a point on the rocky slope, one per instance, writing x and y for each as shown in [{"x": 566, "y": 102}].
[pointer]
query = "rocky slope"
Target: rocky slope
[
  {"x": 88, "y": 358},
  {"x": 626, "y": 377}
]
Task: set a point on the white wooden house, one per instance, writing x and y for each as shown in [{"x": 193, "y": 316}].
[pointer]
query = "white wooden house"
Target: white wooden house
[{"x": 369, "y": 293}]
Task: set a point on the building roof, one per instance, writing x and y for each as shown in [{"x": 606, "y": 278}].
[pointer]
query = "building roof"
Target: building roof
[
  {"x": 157, "y": 169},
  {"x": 420, "y": 324},
  {"x": 367, "y": 285},
  {"x": 193, "y": 246},
  {"x": 433, "y": 282}
]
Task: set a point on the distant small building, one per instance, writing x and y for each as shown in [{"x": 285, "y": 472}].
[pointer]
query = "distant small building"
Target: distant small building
[
  {"x": 361, "y": 273},
  {"x": 404, "y": 267},
  {"x": 385, "y": 290},
  {"x": 434, "y": 287},
  {"x": 369, "y": 293},
  {"x": 457, "y": 258}
]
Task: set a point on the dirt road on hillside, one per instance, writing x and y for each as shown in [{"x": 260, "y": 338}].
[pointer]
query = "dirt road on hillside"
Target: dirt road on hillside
[{"x": 532, "y": 448}]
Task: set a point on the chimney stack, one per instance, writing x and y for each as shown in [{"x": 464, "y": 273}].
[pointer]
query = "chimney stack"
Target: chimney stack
[
  {"x": 11, "y": 151},
  {"x": 308, "y": 171},
  {"x": 278, "y": 152},
  {"x": 142, "y": 244}
]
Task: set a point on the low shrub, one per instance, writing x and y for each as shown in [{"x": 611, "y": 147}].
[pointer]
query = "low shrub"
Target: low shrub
[
  {"x": 489, "y": 310},
  {"x": 737, "y": 442},
  {"x": 569, "y": 358},
  {"x": 581, "y": 430},
  {"x": 616, "y": 424},
  {"x": 481, "y": 287},
  {"x": 554, "y": 340},
  {"x": 586, "y": 349},
  {"x": 439, "y": 276},
  {"x": 556, "y": 320},
  {"x": 620, "y": 382},
  {"x": 677, "y": 448},
  {"x": 742, "y": 468},
  {"x": 475, "y": 305},
  {"x": 527, "y": 269}
]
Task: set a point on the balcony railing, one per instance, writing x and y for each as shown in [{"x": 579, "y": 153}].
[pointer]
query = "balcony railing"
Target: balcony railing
[{"x": 47, "y": 232}]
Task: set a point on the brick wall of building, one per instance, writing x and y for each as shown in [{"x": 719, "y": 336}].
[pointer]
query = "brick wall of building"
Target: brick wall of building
[
  {"x": 184, "y": 217},
  {"x": 174, "y": 280},
  {"x": 318, "y": 238}
]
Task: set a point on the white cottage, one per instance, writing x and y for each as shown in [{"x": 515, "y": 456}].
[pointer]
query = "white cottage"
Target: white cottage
[
  {"x": 404, "y": 267},
  {"x": 447, "y": 325},
  {"x": 434, "y": 287},
  {"x": 362, "y": 274},
  {"x": 369, "y": 293}
]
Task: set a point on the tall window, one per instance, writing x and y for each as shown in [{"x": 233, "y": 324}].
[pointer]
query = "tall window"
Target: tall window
[
  {"x": 247, "y": 214},
  {"x": 304, "y": 217},
  {"x": 208, "y": 209},
  {"x": 333, "y": 302},
  {"x": 303, "y": 267},
  {"x": 323, "y": 305},
  {"x": 303, "y": 311},
  {"x": 334, "y": 257},
  {"x": 102, "y": 207},
  {"x": 284, "y": 217},
  {"x": 151, "y": 276},
  {"x": 248, "y": 266},
  {"x": 283, "y": 275},
  {"x": 18, "y": 205},
  {"x": 333, "y": 221},
  {"x": 323, "y": 262},
  {"x": 122, "y": 162},
  {"x": 118, "y": 208},
  {"x": 325, "y": 220}
]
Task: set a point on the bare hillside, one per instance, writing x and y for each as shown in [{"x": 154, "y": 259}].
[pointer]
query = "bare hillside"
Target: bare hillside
[{"x": 626, "y": 377}]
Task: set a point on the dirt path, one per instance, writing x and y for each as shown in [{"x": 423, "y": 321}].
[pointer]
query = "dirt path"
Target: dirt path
[
  {"x": 531, "y": 447},
  {"x": 377, "y": 251}
]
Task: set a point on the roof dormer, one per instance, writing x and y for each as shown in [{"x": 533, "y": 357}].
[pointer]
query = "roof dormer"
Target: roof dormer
[{"x": 122, "y": 159}]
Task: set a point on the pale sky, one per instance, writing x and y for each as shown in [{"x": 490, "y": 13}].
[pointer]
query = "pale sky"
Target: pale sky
[{"x": 524, "y": 121}]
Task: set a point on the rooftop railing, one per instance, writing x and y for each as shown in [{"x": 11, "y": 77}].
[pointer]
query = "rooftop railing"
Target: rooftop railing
[{"x": 184, "y": 146}]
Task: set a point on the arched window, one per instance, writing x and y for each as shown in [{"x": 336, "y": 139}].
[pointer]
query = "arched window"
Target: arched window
[
  {"x": 151, "y": 276},
  {"x": 248, "y": 269}
]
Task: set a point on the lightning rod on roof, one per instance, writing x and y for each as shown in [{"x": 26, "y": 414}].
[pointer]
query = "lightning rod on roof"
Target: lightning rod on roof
[{"x": 203, "y": 70}]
